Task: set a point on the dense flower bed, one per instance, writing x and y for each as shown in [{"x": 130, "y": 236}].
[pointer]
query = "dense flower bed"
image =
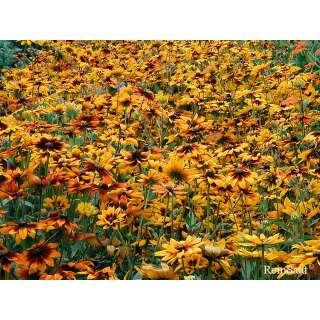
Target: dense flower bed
[{"x": 159, "y": 160}]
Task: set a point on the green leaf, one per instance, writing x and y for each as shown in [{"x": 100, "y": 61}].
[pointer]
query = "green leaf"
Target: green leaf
[
  {"x": 4, "y": 202},
  {"x": 28, "y": 204}
]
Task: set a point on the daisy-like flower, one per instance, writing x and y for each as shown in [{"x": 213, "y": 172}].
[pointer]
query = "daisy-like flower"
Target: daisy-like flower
[
  {"x": 188, "y": 150},
  {"x": 191, "y": 263},
  {"x": 290, "y": 208},
  {"x": 169, "y": 190},
  {"x": 70, "y": 270},
  {"x": 59, "y": 222},
  {"x": 104, "y": 173},
  {"x": 107, "y": 273},
  {"x": 123, "y": 196},
  {"x": 48, "y": 144},
  {"x": 164, "y": 272},
  {"x": 210, "y": 177},
  {"x": 304, "y": 254},
  {"x": 133, "y": 158},
  {"x": 87, "y": 209},
  {"x": 56, "y": 276},
  {"x": 149, "y": 179},
  {"x": 8, "y": 125},
  {"x": 212, "y": 251},
  {"x": 38, "y": 257},
  {"x": 56, "y": 202},
  {"x": 175, "y": 250},
  {"x": 112, "y": 217},
  {"x": 6, "y": 257},
  {"x": 256, "y": 254},
  {"x": 20, "y": 231},
  {"x": 85, "y": 122},
  {"x": 11, "y": 190},
  {"x": 242, "y": 177},
  {"x": 247, "y": 240},
  {"x": 271, "y": 180},
  {"x": 176, "y": 171}
]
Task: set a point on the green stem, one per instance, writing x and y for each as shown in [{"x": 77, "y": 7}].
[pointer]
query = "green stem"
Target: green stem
[
  {"x": 171, "y": 230},
  {"x": 263, "y": 261},
  {"x": 208, "y": 207}
]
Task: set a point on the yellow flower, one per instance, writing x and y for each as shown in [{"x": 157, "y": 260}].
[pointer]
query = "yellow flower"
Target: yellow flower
[
  {"x": 176, "y": 171},
  {"x": 245, "y": 253},
  {"x": 112, "y": 217},
  {"x": 87, "y": 209},
  {"x": 211, "y": 251},
  {"x": 191, "y": 263},
  {"x": 57, "y": 202},
  {"x": 164, "y": 272},
  {"x": 247, "y": 240},
  {"x": 289, "y": 208},
  {"x": 242, "y": 177},
  {"x": 175, "y": 250}
]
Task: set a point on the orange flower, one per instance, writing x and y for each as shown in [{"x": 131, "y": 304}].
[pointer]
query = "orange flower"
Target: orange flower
[
  {"x": 107, "y": 273},
  {"x": 112, "y": 217},
  {"x": 20, "y": 231},
  {"x": 48, "y": 144},
  {"x": 6, "y": 258},
  {"x": 169, "y": 190},
  {"x": 38, "y": 257}
]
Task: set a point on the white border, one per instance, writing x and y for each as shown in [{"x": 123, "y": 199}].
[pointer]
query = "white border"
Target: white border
[
  {"x": 159, "y": 19},
  {"x": 159, "y": 300},
  {"x": 165, "y": 19}
]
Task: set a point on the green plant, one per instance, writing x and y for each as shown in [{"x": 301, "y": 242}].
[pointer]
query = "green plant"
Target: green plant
[{"x": 8, "y": 53}]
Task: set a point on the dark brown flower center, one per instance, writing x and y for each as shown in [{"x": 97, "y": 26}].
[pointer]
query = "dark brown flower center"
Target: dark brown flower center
[
  {"x": 49, "y": 145},
  {"x": 3, "y": 126},
  {"x": 177, "y": 175},
  {"x": 38, "y": 253},
  {"x": 240, "y": 173}
]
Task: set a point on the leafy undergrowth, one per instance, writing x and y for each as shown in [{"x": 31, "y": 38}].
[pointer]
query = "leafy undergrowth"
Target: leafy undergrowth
[
  {"x": 16, "y": 53},
  {"x": 160, "y": 160},
  {"x": 304, "y": 54}
]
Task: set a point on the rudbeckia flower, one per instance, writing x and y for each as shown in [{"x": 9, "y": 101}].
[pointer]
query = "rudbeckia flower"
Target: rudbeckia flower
[
  {"x": 56, "y": 202},
  {"x": 164, "y": 272},
  {"x": 247, "y": 240},
  {"x": 175, "y": 250},
  {"x": 176, "y": 171},
  {"x": 20, "y": 231},
  {"x": 112, "y": 217},
  {"x": 48, "y": 144},
  {"x": 86, "y": 209},
  {"x": 38, "y": 257},
  {"x": 242, "y": 177}
]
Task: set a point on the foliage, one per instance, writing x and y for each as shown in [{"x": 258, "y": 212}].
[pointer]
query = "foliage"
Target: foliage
[{"x": 13, "y": 54}]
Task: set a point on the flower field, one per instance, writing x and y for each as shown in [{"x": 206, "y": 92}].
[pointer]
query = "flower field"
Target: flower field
[{"x": 160, "y": 160}]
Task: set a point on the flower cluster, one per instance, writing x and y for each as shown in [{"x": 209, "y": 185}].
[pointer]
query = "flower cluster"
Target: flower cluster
[{"x": 158, "y": 160}]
